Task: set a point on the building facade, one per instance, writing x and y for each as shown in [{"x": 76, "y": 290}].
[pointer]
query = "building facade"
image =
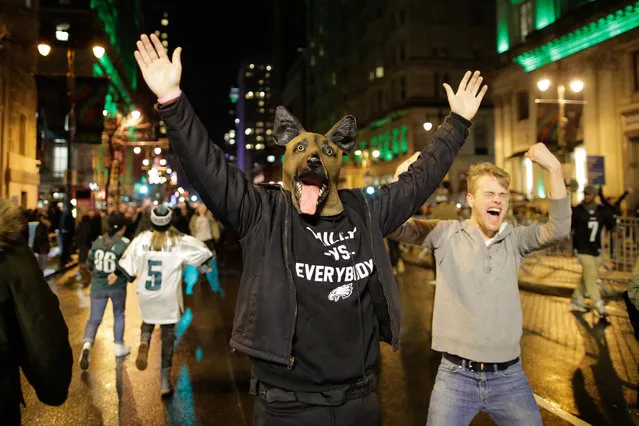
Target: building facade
[
  {"x": 584, "y": 54},
  {"x": 385, "y": 62},
  {"x": 79, "y": 25},
  {"x": 255, "y": 151},
  {"x": 19, "y": 167}
]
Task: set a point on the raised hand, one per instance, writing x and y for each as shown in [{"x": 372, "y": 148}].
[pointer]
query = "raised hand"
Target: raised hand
[
  {"x": 161, "y": 75},
  {"x": 468, "y": 97},
  {"x": 539, "y": 153}
]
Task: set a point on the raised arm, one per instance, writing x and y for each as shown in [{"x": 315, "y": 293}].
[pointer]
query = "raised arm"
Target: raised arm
[
  {"x": 224, "y": 188},
  {"x": 395, "y": 203},
  {"x": 418, "y": 232},
  {"x": 535, "y": 237}
]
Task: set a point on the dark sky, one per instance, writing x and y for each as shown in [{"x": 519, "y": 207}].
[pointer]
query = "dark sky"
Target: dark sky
[{"x": 214, "y": 43}]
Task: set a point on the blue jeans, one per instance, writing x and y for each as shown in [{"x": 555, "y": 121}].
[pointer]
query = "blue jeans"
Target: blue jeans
[
  {"x": 99, "y": 301},
  {"x": 459, "y": 394}
]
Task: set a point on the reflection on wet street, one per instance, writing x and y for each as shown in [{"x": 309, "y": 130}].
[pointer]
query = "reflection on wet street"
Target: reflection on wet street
[{"x": 585, "y": 368}]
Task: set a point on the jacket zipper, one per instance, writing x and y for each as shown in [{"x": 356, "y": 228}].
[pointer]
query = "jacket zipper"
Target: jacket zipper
[
  {"x": 291, "y": 358},
  {"x": 370, "y": 227}
]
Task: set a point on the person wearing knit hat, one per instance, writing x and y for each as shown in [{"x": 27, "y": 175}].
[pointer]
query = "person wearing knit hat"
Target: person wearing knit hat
[{"x": 157, "y": 258}]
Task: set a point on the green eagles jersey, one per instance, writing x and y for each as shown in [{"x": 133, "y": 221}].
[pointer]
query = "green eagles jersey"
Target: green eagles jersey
[{"x": 103, "y": 259}]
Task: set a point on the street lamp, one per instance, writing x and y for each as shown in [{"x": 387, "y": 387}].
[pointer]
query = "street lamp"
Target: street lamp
[
  {"x": 428, "y": 126},
  {"x": 44, "y": 49},
  {"x": 576, "y": 86}
]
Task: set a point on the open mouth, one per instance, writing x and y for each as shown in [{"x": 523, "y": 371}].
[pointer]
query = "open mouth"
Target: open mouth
[
  {"x": 311, "y": 190},
  {"x": 494, "y": 212}
]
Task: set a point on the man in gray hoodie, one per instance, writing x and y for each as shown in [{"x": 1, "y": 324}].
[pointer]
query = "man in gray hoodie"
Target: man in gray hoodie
[{"x": 477, "y": 320}]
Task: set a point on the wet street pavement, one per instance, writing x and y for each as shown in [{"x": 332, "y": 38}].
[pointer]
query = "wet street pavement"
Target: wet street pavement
[{"x": 583, "y": 371}]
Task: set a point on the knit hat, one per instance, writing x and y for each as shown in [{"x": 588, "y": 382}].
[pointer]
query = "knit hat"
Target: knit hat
[{"x": 161, "y": 218}]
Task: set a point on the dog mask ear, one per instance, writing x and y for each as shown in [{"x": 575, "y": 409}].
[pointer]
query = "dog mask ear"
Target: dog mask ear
[
  {"x": 344, "y": 133},
  {"x": 286, "y": 127}
]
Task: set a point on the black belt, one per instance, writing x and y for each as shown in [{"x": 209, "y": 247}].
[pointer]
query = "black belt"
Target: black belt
[
  {"x": 333, "y": 397},
  {"x": 479, "y": 367}
]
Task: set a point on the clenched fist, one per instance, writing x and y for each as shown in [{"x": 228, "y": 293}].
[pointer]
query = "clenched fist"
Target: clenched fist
[{"x": 539, "y": 153}]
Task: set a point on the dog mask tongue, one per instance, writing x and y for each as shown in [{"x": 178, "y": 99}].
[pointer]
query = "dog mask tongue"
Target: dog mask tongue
[{"x": 308, "y": 201}]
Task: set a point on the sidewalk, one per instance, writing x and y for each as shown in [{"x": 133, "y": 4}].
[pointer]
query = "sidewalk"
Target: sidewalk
[{"x": 550, "y": 275}]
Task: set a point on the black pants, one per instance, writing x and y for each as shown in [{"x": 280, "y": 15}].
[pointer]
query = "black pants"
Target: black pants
[
  {"x": 364, "y": 411},
  {"x": 168, "y": 341}
]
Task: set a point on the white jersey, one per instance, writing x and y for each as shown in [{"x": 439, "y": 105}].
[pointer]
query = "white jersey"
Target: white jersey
[{"x": 159, "y": 274}]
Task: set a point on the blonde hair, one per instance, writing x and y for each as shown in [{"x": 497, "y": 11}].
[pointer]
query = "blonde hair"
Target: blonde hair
[
  {"x": 160, "y": 238},
  {"x": 486, "y": 169}
]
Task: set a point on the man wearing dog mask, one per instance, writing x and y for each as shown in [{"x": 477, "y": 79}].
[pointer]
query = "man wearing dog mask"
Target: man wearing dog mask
[{"x": 317, "y": 291}]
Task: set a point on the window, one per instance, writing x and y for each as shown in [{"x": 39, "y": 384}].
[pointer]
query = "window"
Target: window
[
  {"x": 379, "y": 72},
  {"x": 334, "y": 79},
  {"x": 525, "y": 19},
  {"x": 321, "y": 50},
  {"x": 522, "y": 105},
  {"x": 371, "y": 76},
  {"x": 481, "y": 141},
  {"x": 402, "y": 88},
  {"x": 23, "y": 134},
  {"x": 59, "y": 161},
  {"x": 402, "y": 51}
]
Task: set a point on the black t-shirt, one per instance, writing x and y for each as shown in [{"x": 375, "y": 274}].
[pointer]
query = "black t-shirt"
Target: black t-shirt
[
  {"x": 587, "y": 224},
  {"x": 336, "y": 331}
]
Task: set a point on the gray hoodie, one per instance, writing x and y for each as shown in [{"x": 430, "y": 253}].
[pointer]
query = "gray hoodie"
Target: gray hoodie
[{"x": 477, "y": 313}]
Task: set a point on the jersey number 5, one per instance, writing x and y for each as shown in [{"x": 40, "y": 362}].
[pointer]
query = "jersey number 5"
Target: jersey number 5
[{"x": 155, "y": 282}]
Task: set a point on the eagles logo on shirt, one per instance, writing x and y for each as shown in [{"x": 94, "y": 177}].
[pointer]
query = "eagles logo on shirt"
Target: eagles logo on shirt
[{"x": 341, "y": 292}]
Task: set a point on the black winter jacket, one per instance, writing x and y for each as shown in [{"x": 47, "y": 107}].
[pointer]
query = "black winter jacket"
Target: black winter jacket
[
  {"x": 33, "y": 334},
  {"x": 266, "y": 308}
]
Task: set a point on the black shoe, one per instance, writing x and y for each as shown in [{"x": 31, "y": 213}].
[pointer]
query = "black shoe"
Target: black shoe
[{"x": 84, "y": 359}]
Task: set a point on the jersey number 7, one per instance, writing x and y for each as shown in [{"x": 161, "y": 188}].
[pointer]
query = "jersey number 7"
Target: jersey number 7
[{"x": 155, "y": 275}]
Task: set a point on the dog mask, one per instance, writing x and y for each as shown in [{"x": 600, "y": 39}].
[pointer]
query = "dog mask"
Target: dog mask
[{"x": 312, "y": 162}]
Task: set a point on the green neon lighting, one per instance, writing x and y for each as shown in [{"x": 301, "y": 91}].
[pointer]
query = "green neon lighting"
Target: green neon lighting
[
  {"x": 374, "y": 143},
  {"x": 603, "y": 29},
  {"x": 541, "y": 187},
  {"x": 403, "y": 140},
  {"x": 385, "y": 120},
  {"x": 115, "y": 79},
  {"x": 545, "y": 13},
  {"x": 107, "y": 11},
  {"x": 503, "y": 38},
  {"x": 396, "y": 142}
]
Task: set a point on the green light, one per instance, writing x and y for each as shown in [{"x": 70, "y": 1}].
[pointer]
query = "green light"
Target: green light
[
  {"x": 385, "y": 120},
  {"x": 541, "y": 188},
  {"x": 115, "y": 78},
  {"x": 503, "y": 38},
  {"x": 107, "y": 12},
  {"x": 403, "y": 140},
  {"x": 395, "y": 141},
  {"x": 603, "y": 29},
  {"x": 545, "y": 13}
]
